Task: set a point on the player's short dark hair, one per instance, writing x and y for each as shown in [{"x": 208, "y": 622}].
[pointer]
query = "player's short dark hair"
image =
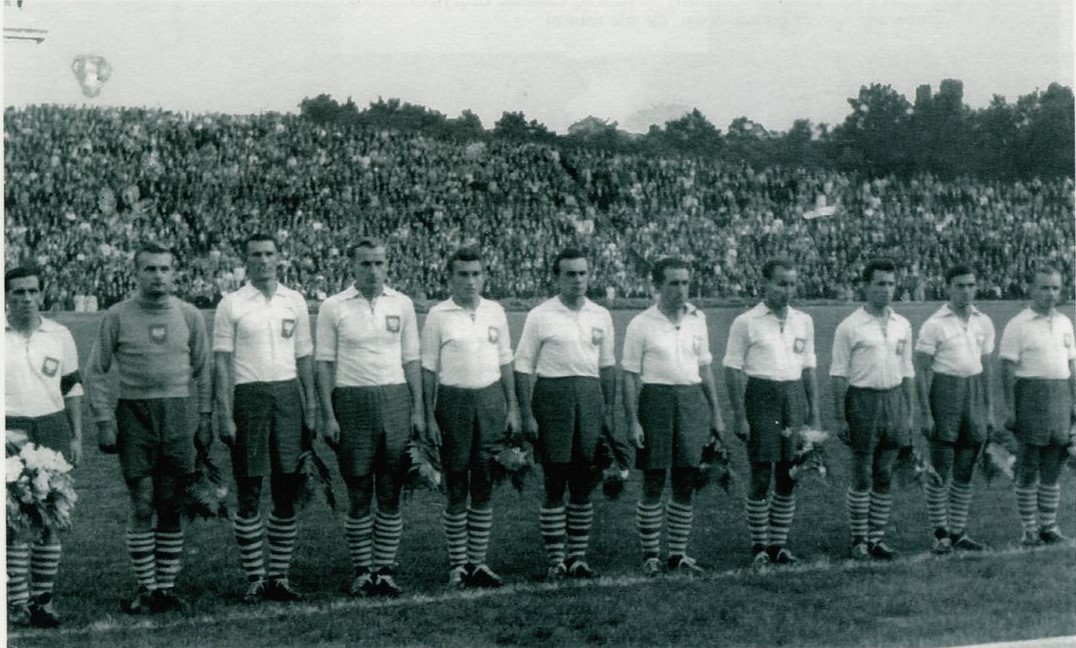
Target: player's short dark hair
[
  {"x": 22, "y": 272},
  {"x": 959, "y": 270},
  {"x": 567, "y": 254},
  {"x": 1043, "y": 267},
  {"x": 877, "y": 265},
  {"x": 364, "y": 242},
  {"x": 153, "y": 248},
  {"x": 465, "y": 254},
  {"x": 657, "y": 271},
  {"x": 259, "y": 237},
  {"x": 773, "y": 264}
]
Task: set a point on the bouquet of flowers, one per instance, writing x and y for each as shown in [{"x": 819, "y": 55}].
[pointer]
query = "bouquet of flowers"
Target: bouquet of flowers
[
  {"x": 810, "y": 457},
  {"x": 206, "y": 491},
  {"x": 40, "y": 493},
  {"x": 715, "y": 466},
  {"x": 913, "y": 467},
  {"x": 423, "y": 467},
  {"x": 314, "y": 474},
  {"x": 610, "y": 467},
  {"x": 512, "y": 463}
]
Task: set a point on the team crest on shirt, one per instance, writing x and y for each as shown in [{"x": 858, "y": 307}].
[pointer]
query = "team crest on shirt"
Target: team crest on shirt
[
  {"x": 158, "y": 333},
  {"x": 494, "y": 335},
  {"x": 287, "y": 328},
  {"x": 900, "y": 347},
  {"x": 50, "y": 366},
  {"x": 392, "y": 323},
  {"x": 799, "y": 345},
  {"x": 596, "y": 336}
]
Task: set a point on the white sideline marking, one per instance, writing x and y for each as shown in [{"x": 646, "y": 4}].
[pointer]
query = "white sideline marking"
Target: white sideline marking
[{"x": 123, "y": 624}]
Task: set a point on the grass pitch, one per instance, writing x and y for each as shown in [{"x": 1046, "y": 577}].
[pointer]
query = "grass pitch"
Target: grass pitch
[{"x": 920, "y": 600}]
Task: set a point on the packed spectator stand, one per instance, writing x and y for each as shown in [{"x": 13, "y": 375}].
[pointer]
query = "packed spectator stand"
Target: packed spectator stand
[{"x": 85, "y": 186}]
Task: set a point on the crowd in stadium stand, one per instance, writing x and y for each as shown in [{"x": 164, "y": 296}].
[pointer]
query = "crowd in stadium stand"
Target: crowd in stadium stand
[{"x": 84, "y": 187}]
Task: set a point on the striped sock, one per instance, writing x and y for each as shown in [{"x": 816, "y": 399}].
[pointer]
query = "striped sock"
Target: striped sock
[
  {"x": 680, "y": 517},
  {"x": 169, "y": 556},
  {"x": 1049, "y": 500},
  {"x": 479, "y": 526},
  {"x": 360, "y": 540},
  {"x": 248, "y": 536},
  {"x": 140, "y": 549},
  {"x": 648, "y": 522},
  {"x": 281, "y": 533},
  {"x": 782, "y": 510},
  {"x": 554, "y": 523},
  {"x": 758, "y": 520},
  {"x": 1027, "y": 505},
  {"x": 580, "y": 519},
  {"x": 858, "y": 504},
  {"x": 938, "y": 498},
  {"x": 388, "y": 529},
  {"x": 44, "y": 563},
  {"x": 456, "y": 535},
  {"x": 959, "y": 503},
  {"x": 18, "y": 571},
  {"x": 880, "y": 505}
]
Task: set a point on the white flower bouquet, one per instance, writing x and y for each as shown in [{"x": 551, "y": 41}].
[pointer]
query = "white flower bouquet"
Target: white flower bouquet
[
  {"x": 40, "y": 492},
  {"x": 810, "y": 458}
]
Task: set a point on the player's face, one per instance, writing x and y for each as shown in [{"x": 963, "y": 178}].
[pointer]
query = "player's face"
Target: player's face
[
  {"x": 24, "y": 298},
  {"x": 156, "y": 276},
  {"x": 370, "y": 267},
  {"x": 1046, "y": 290},
  {"x": 880, "y": 289},
  {"x": 962, "y": 290},
  {"x": 573, "y": 279},
  {"x": 262, "y": 261},
  {"x": 466, "y": 279},
  {"x": 780, "y": 288},
  {"x": 674, "y": 289}
]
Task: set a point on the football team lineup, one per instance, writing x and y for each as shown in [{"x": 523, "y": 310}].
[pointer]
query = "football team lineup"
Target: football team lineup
[{"x": 568, "y": 381}]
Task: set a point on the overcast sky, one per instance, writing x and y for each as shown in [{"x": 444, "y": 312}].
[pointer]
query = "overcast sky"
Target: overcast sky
[{"x": 633, "y": 62}]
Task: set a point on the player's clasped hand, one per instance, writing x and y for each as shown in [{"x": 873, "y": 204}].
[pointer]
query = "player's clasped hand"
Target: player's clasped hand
[
  {"x": 743, "y": 430},
  {"x": 530, "y": 431},
  {"x": 926, "y": 425},
  {"x": 106, "y": 437},
  {"x": 637, "y": 436},
  {"x": 844, "y": 433},
  {"x": 433, "y": 432},
  {"x": 226, "y": 430}
]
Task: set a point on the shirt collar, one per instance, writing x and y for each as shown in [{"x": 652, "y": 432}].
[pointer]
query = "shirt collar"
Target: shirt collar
[
  {"x": 45, "y": 326},
  {"x": 248, "y": 291},
  {"x": 451, "y": 305},
  {"x": 587, "y": 305},
  {"x": 655, "y": 312},
  {"x": 351, "y": 292},
  {"x": 762, "y": 309},
  {"x": 865, "y": 314},
  {"x": 947, "y": 310}
]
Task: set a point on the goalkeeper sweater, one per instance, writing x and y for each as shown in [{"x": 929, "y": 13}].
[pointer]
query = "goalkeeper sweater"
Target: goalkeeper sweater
[{"x": 159, "y": 347}]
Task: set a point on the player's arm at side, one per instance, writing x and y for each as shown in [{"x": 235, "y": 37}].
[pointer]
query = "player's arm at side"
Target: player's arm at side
[
  {"x": 524, "y": 364},
  {"x": 325, "y": 371},
  {"x": 202, "y": 366},
  {"x": 97, "y": 382},
  {"x": 632, "y": 386},
  {"x": 924, "y": 375},
  {"x": 223, "y": 391},
  {"x": 71, "y": 388},
  {"x": 735, "y": 378}
]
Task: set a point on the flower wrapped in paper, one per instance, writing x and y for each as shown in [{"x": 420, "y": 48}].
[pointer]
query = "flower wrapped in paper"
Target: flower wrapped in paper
[
  {"x": 511, "y": 462},
  {"x": 40, "y": 492},
  {"x": 610, "y": 466},
  {"x": 715, "y": 467},
  {"x": 912, "y": 467},
  {"x": 996, "y": 462},
  {"x": 206, "y": 492},
  {"x": 423, "y": 467},
  {"x": 314, "y": 475},
  {"x": 810, "y": 458}
]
